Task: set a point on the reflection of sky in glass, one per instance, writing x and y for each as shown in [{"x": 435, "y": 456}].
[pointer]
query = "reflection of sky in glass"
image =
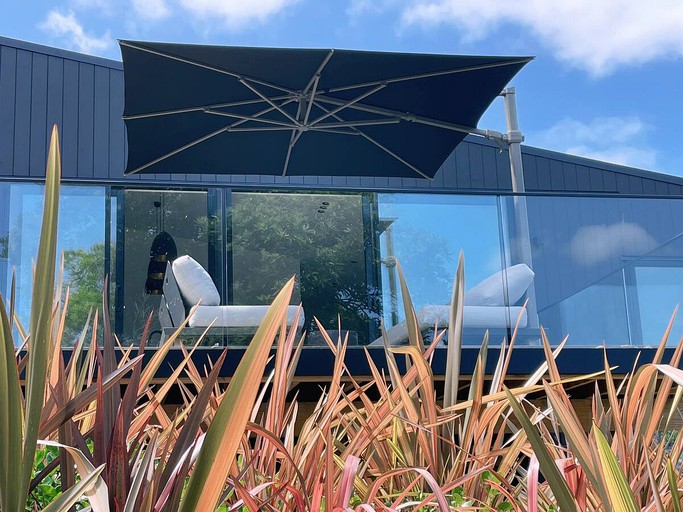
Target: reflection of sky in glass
[
  {"x": 607, "y": 270},
  {"x": 81, "y": 225},
  {"x": 659, "y": 290},
  {"x": 428, "y": 233}
]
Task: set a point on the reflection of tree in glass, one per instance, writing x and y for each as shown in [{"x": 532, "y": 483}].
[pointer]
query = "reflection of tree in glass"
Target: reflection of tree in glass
[
  {"x": 84, "y": 275},
  {"x": 427, "y": 262},
  {"x": 4, "y": 246},
  {"x": 277, "y": 235}
]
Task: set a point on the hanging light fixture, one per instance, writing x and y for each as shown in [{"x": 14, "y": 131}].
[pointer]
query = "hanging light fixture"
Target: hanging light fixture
[{"x": 162, "y": 251}]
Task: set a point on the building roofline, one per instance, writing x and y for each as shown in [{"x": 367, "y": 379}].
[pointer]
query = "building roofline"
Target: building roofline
[
  {"x": 586, "y": 162},
  {"x": 58, "y": 52}
]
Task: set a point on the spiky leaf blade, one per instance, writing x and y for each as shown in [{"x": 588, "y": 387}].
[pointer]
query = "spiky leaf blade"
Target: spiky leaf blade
[
  {"x": 618, "y": 491},
  {"x": 41, "y": 313},
  {"x": 223, "y": 437},
  {"x": 553, "y": 476}
]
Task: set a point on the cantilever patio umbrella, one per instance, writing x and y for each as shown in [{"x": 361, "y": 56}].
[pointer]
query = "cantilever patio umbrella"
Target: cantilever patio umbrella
[{"x": 268, "y": 111}]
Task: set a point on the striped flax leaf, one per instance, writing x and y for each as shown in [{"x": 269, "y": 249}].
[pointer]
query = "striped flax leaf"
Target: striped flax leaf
[
  {"x": 548, "y": 467},
  {"x": 455, "y": 322},
  {"x": 223, "y": 436},
  {"x": 673, "y": 486},
  {"x": 74, "y": 494},
  {"x": 618, "y": 491},
  {"x": 10, "y": 416},
  {"x": 41, "y": 319}
]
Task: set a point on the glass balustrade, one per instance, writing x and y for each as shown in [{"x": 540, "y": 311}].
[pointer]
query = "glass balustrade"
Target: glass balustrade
[{"x": 601, "y": 270}]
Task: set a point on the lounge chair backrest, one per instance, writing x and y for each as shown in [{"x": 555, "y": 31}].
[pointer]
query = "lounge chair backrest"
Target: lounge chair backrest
[
  {"x": 492, "y": 292},
  {"x": 195, "y": 283},
  {"x": 172, "y": 308}
]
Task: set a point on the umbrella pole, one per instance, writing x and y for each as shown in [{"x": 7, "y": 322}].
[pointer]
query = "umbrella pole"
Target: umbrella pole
[{"x": 521, "y": 246}]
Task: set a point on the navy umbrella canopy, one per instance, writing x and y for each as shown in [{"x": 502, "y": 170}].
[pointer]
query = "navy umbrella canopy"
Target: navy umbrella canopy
[{"x": 272, "y": 111}]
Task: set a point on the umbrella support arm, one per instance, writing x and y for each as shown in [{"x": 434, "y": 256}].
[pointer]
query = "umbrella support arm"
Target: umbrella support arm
[{"x": 521, "y": 241}]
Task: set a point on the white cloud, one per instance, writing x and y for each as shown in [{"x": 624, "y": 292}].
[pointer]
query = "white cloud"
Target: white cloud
[
  {"x": 68, "y": 27},
  {"x": 151, "y": 9},
  {"x": 596, "y": 36},
  {"x": 236, "y": 13},
  {"x": 100, "y": 5},
  {"x": 612, "y": 139},
  {"x": 591, "y": 245},
  {"x": 358, "y": 8}
]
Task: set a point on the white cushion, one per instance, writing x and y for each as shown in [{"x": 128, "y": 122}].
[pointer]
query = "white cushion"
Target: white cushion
[
  {"x": 491, "y": 292},
  {"x": 237, "y": 316},
  {"x": 480, "y": 317},
  {"x": 195, "y": 283}
]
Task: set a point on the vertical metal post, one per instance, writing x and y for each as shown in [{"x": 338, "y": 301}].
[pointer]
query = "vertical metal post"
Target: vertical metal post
[
  {"x": 521, "y": 240},
  {"x": 390, "y": 262}
]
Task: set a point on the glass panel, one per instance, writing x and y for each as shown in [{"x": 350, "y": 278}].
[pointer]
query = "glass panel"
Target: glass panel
[
  {"x": 658, "y": 288},
  {"x": 425, "y": 234},
  {"x": 142, "y": 216},
  {"x": 81, "y": 239},
  {"x": 320, "y": 238},
  {"x": 4, "y": 238},
  {"x": 593, "y": 257}
]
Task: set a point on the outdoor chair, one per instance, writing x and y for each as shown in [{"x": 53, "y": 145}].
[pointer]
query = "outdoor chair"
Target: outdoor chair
[
  {"x": 484, "y": 308},
  {"x": 186, "y": 285}
]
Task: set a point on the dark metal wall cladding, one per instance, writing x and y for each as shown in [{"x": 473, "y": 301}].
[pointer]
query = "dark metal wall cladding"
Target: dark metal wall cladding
[{"x": 40, "y": 86}]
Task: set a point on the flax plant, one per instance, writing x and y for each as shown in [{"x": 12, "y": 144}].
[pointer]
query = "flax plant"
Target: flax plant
[
  {"x": 22, "y": 407},
  {"x": 390, "y": 442}
]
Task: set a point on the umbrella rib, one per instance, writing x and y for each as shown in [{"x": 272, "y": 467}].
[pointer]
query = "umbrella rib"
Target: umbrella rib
[
  {"x": 229, "y": 129},
  {"x": 200, "y": 108},
  {"x": 310, "y": 100},
  {"x": 292, "y": 140},
  {"x": 206, "y": 66},
  {"x": 248, "y": 118},
  {"x": 267, "y": 100},
  {"x": 178, "y": 150},
  {"x": 391, "y": 153},
  {"x": 353, "y": 124},
  {"x": 382, "y": 147},
  {"x": 348, "y": 104},
  {"x": 319, "y": 71},
  {"x": 313, "y": 85},
  {"x": 260, "y": 113},
  {"x": 430, "y": 74},
  {"x": 403, "y": 116},
  {"x": 290, "y": 146}
]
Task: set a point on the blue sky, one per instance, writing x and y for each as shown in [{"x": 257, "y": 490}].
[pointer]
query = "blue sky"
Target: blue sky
[{"x": 606, "y": 82}]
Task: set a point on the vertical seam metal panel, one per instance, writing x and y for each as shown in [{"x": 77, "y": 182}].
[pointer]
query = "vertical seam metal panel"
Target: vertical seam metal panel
[
  {"x": 22, "y": 113},
  {"x": 38, "y": 119},
  {"x": 86, "y": 119},
  {"x": 70, "y": 106},
  {"x": 8, "y": 87},
  {"x": 101, "y": 123}
]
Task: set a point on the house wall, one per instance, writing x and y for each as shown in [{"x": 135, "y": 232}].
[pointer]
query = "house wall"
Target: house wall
[
  {"x": 40, "y": 86},
  {"x": 84, "y": 95}
]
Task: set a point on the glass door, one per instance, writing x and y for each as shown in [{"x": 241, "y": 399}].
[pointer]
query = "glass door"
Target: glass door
[
  {"x": 323, "y": 239},
  {"x": 152, "y": 227}
]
